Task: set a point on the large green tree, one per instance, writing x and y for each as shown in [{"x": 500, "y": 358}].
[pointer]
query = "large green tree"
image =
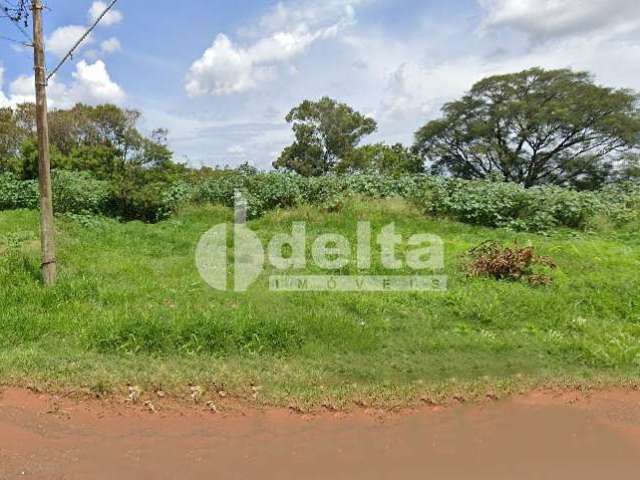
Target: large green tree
[
  {"x": 325, "y": 133},
  {"x": 534, "y": 127}
]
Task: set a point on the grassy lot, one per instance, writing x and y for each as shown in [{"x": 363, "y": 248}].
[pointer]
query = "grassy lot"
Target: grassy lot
[{"x": 130, "y": 308}]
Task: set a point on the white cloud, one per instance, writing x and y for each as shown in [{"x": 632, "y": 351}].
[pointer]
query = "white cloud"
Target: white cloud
[
  {"x": 22, "y": 90},
  {"x": 111, "y": 45},
  {"x": 4, "y": 101},
  {"x": 415, "y": 91},
  {"x": 223, "y": 69},
  {"x": 91, "y": 84},
  {"x": 543, "y": 19},
  {"x": 114, "y": 16},
  {"x": 283, "y": 15},
  {"x": 63, "y": 39},
  {"x": 236, "y": 150},
  {"x": 287, "y": 33}
]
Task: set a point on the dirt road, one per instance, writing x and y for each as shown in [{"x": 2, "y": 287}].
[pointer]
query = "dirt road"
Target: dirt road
[{"x": 536, "y": 436}]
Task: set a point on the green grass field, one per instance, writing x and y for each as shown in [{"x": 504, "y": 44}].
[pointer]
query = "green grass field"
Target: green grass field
[{"x": 130, "y": 308}]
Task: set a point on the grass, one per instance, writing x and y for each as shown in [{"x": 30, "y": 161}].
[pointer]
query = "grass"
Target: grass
[{"x": 130, "y": 308}]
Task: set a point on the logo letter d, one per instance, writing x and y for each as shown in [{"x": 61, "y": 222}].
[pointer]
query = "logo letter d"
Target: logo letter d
[{"x": 211, "y": 257}]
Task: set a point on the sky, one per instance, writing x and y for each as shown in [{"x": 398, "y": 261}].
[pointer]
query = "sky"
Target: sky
[{"x": 221, "y": 75}]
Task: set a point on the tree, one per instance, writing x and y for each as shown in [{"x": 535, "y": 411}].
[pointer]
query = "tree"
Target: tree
[
  {"x": 325, "y": 132},
  {"x": 381, "y": 159},
  {"x": 103, "y": 140},
  {"x": 534, "y": 127}
]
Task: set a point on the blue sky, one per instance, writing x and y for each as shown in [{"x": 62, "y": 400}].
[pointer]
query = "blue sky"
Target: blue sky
[{"x": 222, "y": 75}]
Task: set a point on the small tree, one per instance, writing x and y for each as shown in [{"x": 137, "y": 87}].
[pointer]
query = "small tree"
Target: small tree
[
  {"x": 325, "y": 132},
  {"x": 534, "y": 127}
]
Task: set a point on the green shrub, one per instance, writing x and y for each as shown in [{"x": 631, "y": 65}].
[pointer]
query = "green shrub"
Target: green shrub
[
  {"x": 487, "y": 203},
  {"x": 151, "y": 197},
  {"x": 172, "y": 197},
  {"x": 15, "y": 193},
  {"x": 73, "y": 192},
  {"x": 79, "y": 193},
  {"x": 622, "y": 202},
  {"x": 507, "y": 205},
  {"x": 263, "y": 191},
  {"x": 219, "y": 189},
  {"x": 150, "y": 202},
  {"x": 270, "y": 191}
]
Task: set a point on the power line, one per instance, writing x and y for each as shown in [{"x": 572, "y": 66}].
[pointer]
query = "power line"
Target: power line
[
  {"x": 13, "y": 40},
  {"x": 82, "y": 39},
  {"x": 15, "y": 21}
]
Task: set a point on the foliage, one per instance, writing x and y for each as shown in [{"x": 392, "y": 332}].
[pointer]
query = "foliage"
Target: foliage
[
  {"x": 15, "y": 194},
  {"x": 382, "y": 159},
  {"x": 622, "y": 202},
  {"x": 91, "y": 146},
  {"x": 134, "y": 199},
  {"x": 535, "y": 127},
  {"x": 155, "y": 195},
  {"x": 325, "y": 133},
  {"x": 80, "y": 193},
  {"x": 269, "y": 191},
  {"x": 105, "y": 166},
  {"x": 103, "y": 140},
  {"x": 507, "y": 205},
  {"x": 19, "y": 12},
  {"x": 491, "y": 204},
  {"x": 515, "y": 263},
  {"x": 629, "y": 168}
]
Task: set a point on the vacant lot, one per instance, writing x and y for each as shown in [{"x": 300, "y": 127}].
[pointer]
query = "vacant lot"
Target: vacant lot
[{"x": 131, "y": 309}]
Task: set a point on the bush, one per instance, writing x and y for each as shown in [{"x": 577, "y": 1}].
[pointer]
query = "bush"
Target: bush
[
  {"x": 622, "y": 202},
  {"x": 270, "y": 191},
  {"x": 16, "y": 193},
  {"x": 172, "y": 198},
  {"x": 82, "y": 194},
  {"x": 150, "y": 202},
  {"x": 79, "y": 193},
  {"x": 507, "y": 205},
  {"x": 148, "y": 196},
  {"x": 73, "y": 192},
  {"x": 263, "y": 192},
  {"x": 487, "y": 203}
]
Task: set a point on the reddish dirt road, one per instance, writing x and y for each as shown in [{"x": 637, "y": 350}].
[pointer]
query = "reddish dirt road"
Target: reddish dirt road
[{"x": 536, "y": 436}]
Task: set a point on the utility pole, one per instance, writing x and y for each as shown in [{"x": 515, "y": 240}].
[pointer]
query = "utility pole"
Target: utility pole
[
  {"x": 18, "y": 14},
  {"x": 47, "y": 230}
]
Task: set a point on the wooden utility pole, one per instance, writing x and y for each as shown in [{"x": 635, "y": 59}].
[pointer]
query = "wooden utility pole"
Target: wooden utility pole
[{"x": 47, "y": 237}]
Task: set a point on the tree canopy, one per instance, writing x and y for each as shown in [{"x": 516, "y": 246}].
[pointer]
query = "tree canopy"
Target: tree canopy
[
  {"x": 325, "y": 133},
  {"x": 381, "y": 159},
  {"x": 103, "y": 140},
  {"x": 534, "y": 127}
]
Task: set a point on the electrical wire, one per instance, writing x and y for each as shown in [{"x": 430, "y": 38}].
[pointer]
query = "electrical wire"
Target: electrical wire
[
  {"x": 15, "y": 21},
  {"x": 77, "y": 44}
]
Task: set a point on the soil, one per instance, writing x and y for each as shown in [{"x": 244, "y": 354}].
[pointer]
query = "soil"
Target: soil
[{"x": 539, "y": 435}]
